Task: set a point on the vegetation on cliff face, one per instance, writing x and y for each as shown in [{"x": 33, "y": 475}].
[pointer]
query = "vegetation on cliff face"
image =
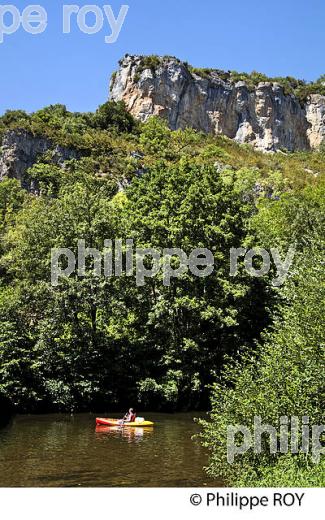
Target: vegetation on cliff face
[
  {"x": 105, "y": 342},
  {"x": 82, "y": 131},
  {"x": 297, "y": 87}
]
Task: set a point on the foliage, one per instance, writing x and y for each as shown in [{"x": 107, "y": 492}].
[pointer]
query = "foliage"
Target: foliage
[
  {"x": 105, "y": 342},
  {"x": 81, "y": 131},
  {"x": 203, "y": 72},
  {"x": 147, "y": 62},
  {"x": 113, "y": 115},
  {"x": 284, "y": 375}
]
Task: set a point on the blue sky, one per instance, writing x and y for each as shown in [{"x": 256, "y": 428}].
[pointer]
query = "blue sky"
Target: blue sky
[{"x": 279, "y": 37}]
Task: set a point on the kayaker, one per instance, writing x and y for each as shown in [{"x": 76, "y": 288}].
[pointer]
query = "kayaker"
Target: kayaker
[{"x": 130, "y": 416}]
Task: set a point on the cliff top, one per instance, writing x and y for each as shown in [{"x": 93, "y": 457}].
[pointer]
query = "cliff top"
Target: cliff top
[{"x": 297, "y": 87}]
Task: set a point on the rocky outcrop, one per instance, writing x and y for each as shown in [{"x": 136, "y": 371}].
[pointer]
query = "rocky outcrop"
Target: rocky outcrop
[
  {"x": 265, "y": 117},
  {"x": 315, "y": 113},
  {"x": 20, "y": 150}
]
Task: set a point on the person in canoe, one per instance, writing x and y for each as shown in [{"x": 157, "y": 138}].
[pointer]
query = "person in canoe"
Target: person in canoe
[{"x": 130, "y": 416}]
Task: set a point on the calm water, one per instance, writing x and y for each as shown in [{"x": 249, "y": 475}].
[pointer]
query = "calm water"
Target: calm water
[{"x": 64, "y": 450}]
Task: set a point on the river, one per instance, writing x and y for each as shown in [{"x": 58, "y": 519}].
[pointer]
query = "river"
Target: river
[{"x": 70, "y": 451}]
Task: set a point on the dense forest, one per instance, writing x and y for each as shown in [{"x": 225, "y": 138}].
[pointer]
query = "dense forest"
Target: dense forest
[{"x": 236, "y": 344}]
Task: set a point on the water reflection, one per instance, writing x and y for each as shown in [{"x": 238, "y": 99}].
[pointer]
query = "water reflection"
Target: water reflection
[
  {"x": 131, "y": 434},
  {"x": 64, "y": 450}
]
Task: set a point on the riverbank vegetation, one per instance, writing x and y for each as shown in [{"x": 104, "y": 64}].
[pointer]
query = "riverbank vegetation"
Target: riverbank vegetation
[
  {"x": 283, "y": 376},
  {"x": 93, "y": 343}
]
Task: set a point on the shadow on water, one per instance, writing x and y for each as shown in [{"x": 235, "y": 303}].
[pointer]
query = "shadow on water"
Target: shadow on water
[
  {"x": 70, "y": 451},
  {"x": 6, "y": 412}
]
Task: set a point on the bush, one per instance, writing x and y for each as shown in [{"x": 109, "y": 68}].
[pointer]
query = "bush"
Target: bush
[
  {"x": 147, "y": 62},
  {"x": 113, "y": 115}
]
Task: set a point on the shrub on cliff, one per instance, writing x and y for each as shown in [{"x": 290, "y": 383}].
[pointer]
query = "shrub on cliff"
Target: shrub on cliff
[{"x": 114, "y": 116}]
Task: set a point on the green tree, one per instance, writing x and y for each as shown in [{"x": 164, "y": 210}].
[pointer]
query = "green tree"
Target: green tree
[
  {"x": 284, "y": 375},
  {"x": 112, "y": 115}
]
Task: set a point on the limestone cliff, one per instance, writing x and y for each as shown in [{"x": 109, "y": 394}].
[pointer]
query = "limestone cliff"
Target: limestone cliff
[
  {"x": 265, "y": 117},
  {"x": 20, "y": 150}
]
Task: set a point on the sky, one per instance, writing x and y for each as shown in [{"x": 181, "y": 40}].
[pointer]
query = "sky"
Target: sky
[{"x": 277, "y": 37}]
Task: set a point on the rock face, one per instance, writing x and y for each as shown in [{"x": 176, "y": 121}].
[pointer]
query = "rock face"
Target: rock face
[
  {"x": 315, "y": 113},
  {"x": 21, "y": 149},
  {"x": 265, "y": 117}
]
